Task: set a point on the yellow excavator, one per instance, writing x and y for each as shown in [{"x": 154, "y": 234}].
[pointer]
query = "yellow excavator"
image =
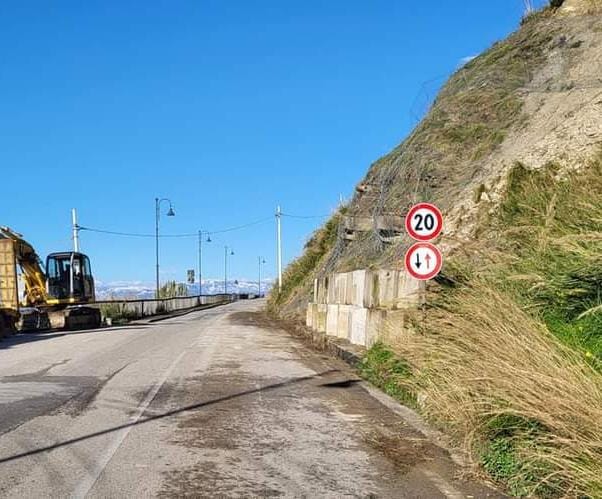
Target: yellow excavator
[{"x": 59, "y": 297}]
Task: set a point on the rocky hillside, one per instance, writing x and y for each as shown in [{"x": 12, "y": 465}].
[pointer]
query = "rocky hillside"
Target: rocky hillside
[
  {"x": 509, "y": 362},
  {"x": 533, "y": 99}
]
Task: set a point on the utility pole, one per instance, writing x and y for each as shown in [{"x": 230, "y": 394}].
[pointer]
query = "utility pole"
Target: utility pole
[
  {"x": 75, "y": 230},
  {"x": 261, "y": 262},
  {"x": 279, "y": 233},
  {"x": 226, "y": 268},
  {"x": 170, "y": 213},
  {"x": 157, "y": 214},
  {"x": 200, "y": 263}
]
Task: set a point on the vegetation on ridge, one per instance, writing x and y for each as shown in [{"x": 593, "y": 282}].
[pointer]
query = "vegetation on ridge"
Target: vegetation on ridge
[
  {"x": 510, "y": 359},
  {"x": 300, "y": 272}
]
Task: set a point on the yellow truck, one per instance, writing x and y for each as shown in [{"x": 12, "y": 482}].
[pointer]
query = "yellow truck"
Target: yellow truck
[
  {"x": 9, "y": 292},
  {"x": 60, "y": 296}
]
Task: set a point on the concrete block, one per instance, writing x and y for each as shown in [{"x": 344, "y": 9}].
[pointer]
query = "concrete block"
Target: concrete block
[
  {"x": 375, "y": 321},
  {"x": 344, "y": 322},
  {"x": 349, "y": 294},
  {"x": 309, "y": 315},
  {"x": 387, "y": 288},
  {"x": 332, "y": 317},
  {"x": 322, "y": 312},
  {"x": 330, "y": 288},
  {"x": 321, "y": 290},
  {"x": 358, "y": 288},
  {"x": 358, "y": 325},
  {"x": 408, "y": 292},
  {"x": 372, "y": 289},
  {"x": 340, "y": 282}
]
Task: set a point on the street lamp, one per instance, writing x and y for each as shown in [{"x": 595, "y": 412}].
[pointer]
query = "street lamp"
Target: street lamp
[
  {"x": 201, "y": 260},
  {"x": 227, "y": 251},
  {"x": 261, "y": 262},
  {"x": 170, "y": 213}
]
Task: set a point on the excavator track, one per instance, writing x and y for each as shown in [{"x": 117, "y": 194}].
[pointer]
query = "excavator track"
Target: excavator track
[
  {"x": 8, "y": 323},
  {"x": 70, "y": 318},
  {"x": 76, "y": 317}
]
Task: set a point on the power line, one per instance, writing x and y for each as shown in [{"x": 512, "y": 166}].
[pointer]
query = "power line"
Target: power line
[
  {"x": 194, "y": 234},
  {"x": 240, "y": 227},
  {"x": 304, "y": 216},
  {"x": 114, "y": 233}
]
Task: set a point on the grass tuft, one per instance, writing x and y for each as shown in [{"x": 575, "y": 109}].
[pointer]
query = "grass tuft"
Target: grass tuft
[
  {"x": 384, "y": 369},
  {"x": 550, "y": 229},
  {"x": 527, "y": 406}
]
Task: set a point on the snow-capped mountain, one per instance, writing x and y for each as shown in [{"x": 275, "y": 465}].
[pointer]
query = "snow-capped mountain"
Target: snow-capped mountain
[{"x": 138, "y": 290}]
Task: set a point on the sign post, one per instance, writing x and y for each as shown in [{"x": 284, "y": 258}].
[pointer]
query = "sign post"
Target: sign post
[
  {"x": 190, "y": 276},
  {"x": 423, "y": 260}
]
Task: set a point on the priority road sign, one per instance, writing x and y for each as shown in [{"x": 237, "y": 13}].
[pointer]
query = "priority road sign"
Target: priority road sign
[
  {"x": 423, "y": 261},
  {"x": 424, "y": 222}
]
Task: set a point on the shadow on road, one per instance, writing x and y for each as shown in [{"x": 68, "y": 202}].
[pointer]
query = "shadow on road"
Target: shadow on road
[
  {"x": 19, "y": 339},
  {"x": 164, "y": 415}
]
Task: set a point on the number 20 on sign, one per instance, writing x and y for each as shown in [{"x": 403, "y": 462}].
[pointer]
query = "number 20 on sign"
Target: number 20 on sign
[
  {"x": 424, "y": 222},
  {"x": 423, "y": 260}
]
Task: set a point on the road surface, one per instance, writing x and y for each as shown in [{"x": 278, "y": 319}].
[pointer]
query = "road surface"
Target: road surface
[{"x": 213, "y": 403}]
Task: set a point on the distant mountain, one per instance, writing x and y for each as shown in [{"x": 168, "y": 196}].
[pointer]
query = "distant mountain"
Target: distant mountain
[{"x": 138, "y": 290}]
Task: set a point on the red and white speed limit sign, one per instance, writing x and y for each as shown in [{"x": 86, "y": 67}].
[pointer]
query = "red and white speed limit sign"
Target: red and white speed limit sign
[
  {"x": 423, "y": 261},
  {"x": 424, "y": 222}
]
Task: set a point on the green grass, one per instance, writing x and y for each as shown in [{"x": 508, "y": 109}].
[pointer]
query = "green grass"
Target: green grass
[
  {"x": 546, "y": 242},
  {"x": 304, "y": 267},
  {"x": 500, "y": 455},
  {"x": 383, "y": 369},
  {"x": 551, "y": 228}
]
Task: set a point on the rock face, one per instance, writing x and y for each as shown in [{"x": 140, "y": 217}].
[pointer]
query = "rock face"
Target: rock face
[
  {"x": 534, "y": 98},
  {"x": 580, "y": 6}
]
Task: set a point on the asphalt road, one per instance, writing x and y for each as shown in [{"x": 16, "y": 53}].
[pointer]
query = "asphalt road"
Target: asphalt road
[{"x": 214, "y": 403}]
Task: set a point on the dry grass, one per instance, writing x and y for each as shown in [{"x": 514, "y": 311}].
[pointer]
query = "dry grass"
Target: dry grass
[{"x": 489, "y": 370}]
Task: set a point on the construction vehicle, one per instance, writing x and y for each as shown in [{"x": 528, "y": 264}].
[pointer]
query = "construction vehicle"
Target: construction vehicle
[{"x": 56, "y": 298}]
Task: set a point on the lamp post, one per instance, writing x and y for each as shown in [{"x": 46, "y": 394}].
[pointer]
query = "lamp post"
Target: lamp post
[
  {"x": 231, "y": 253},
  {"x": 201, "y": 259},
  {"x": 170, "y": 213},
  {"x": 261, "y": 262}
]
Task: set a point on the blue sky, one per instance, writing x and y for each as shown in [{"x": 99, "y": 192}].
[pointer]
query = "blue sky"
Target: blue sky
[{"x": 228, "y": 108}]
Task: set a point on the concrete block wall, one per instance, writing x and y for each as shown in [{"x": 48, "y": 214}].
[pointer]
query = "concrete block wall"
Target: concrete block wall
[{"x": 354, "y": 305}]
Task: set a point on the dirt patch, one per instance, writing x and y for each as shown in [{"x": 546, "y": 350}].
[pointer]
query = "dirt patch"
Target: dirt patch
[
  {"x": 257, "y": 319},
  {"x": 336, "y": 347},
  {"x": 205, "y": 480},
  {"x": 403, "y": 452}
]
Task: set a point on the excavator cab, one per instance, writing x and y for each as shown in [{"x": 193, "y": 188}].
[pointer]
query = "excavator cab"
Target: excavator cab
[{"x": 69, "y": 278}]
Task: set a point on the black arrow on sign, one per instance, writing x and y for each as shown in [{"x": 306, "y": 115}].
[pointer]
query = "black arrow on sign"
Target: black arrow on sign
[{"x": 418, "y": 262}]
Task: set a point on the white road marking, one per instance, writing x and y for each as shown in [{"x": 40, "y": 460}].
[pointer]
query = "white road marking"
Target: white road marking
[
  {"x": 86, "y": 485},
  {"x": 88, "y": 482}
]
